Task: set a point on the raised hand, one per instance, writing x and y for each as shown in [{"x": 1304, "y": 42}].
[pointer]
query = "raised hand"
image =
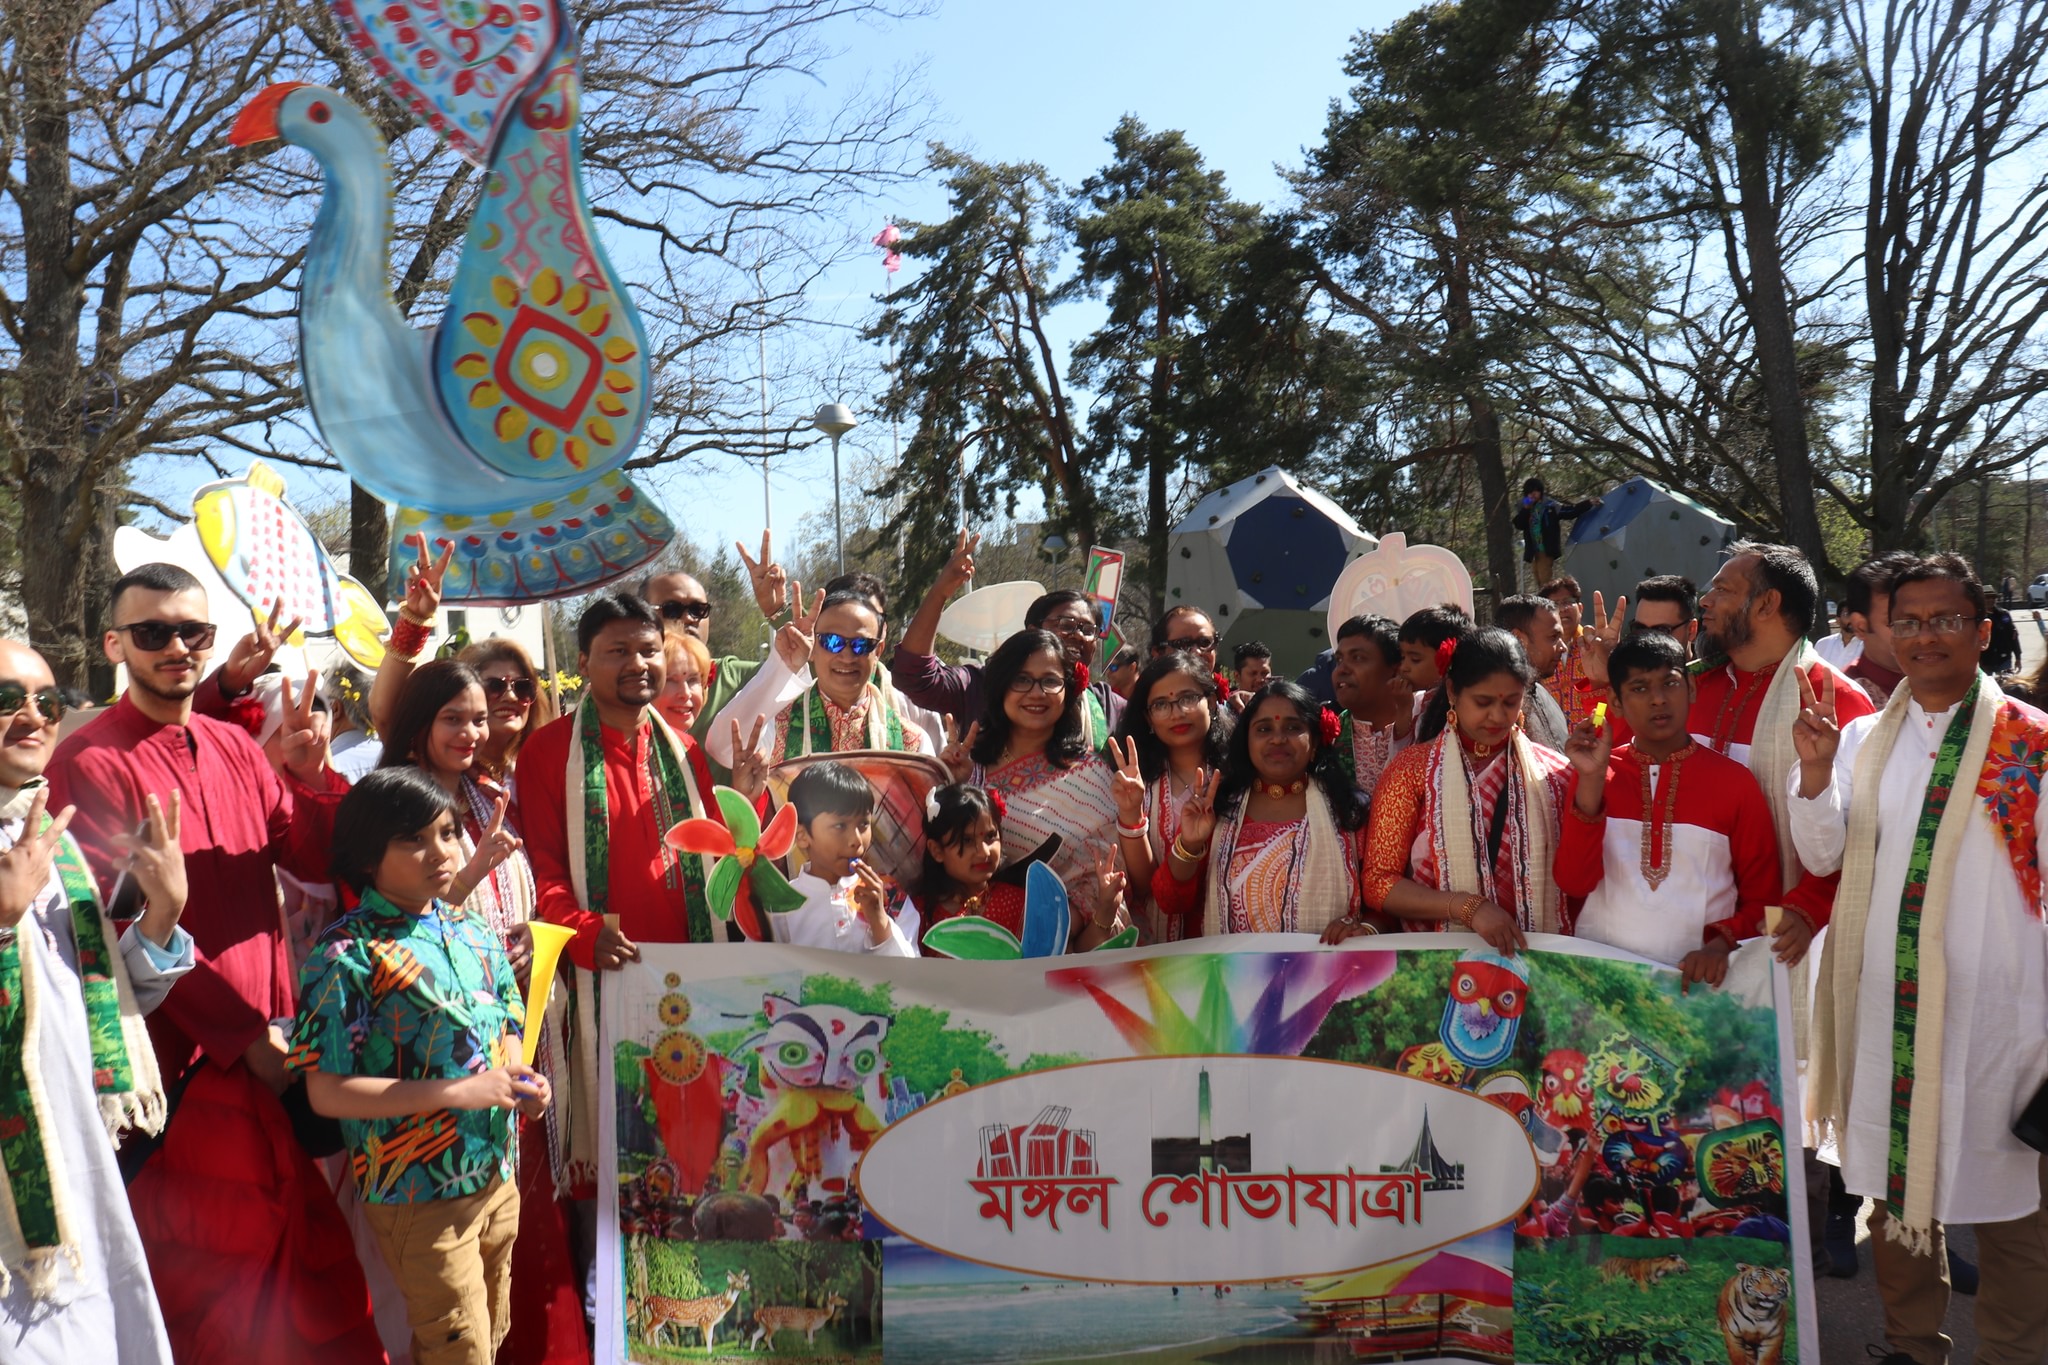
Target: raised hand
[
  {"x": 1601, "y": 633},
  {"x": 1587, "y": 748},
  {"x": 793, "y": 642},
  {"x": 959, "y": 570},
  {"x": 1128, "y": 785},
  {"x": 869, "y": 898},
  {"x": 749, "y": 764},
  {"x": 158, "y": 864},
  {"x": 958, "y": 755},
  {"x": 254, "y": 651},
  {"x": 1198, "y": 812},
  {"x": 1106, "y": 891},
  {"x": 495, "y": 847},
  {"x": 1816, "y": 735},
  {"x": 770, "y": 582},
  {"x": 25, "y": 868},
  {"x": 423, "y": 583},
  {"x": 304, "y": 733}
]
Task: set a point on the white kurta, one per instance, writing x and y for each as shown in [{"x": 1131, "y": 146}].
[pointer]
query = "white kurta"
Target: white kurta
[
  {"x": 827, "y": 921},
  {"x": 1995, "y": 1017},
  {"x": 773, "y": 687},
  {"x": 104, "y": 1313}
]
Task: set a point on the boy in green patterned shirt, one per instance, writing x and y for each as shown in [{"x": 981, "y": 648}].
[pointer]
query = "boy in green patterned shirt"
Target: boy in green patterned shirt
[{"x": 408, "y": 1032}]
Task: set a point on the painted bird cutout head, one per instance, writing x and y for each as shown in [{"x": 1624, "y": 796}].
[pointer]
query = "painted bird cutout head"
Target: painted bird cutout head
[
  {"x": 1566, "y": 1094},
  {"x": 1484, "y": 1012}
]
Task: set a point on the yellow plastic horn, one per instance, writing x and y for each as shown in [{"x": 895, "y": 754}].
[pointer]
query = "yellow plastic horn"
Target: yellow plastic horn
[{"x": 548, "y": 942}]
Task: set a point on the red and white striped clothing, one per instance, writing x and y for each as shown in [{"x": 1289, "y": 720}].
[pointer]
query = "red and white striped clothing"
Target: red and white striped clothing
[{"x": 1721, "y": 867}]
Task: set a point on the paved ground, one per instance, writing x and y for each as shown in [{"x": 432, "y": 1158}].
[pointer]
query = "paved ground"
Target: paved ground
[{"x": 1849, "y": 1314}]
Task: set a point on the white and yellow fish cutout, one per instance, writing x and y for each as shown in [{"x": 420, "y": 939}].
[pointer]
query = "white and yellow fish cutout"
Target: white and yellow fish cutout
[{"x": 266, "y": 554}]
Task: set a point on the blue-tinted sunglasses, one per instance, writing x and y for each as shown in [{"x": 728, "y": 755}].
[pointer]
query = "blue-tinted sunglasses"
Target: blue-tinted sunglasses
[{"x": 839, "y": 644}]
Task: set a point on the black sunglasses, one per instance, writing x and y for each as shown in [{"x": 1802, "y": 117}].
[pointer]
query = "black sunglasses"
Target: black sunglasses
[
  {"x": 155, "y": 635},
  {"x": 49, "y": 701},
  {"x": 676, "y": 611},
  {"x": 522, "y": 689}
]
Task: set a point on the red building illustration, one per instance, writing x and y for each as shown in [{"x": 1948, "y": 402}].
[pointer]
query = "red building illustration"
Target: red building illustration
[{"x": 1044, "y": 1148}]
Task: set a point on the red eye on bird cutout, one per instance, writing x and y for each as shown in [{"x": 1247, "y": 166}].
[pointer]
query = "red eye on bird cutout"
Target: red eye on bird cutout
[{"x": 319, "y": 112}]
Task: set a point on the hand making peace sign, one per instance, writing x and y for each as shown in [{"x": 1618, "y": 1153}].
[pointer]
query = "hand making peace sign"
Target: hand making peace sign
[
  {"x": 1601, "y": 633},
  {"x": 423, "y": 582},
  {"x": 304, "y": 733},
  {"x": 1816, "y": 733},
  {"x": 1198, "y": 812},
  {"x": 1128, "y": 785},
  {"x": 254, "y": 651},
  {"x": 793, "y": 642},
  {"x": 958, "y": 755},
  {"x": 770, "y": 582},
  {"x": 959, "y": 570},
  {"x": 25, "y": 868},
  {"x": 495, "y": 847},
  {"x": 749, "y": 764},
  {"x": 157, "y": 863}
]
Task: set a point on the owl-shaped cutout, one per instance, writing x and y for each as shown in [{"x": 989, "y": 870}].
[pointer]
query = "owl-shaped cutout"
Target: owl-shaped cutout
[
  {"x": 1484, "y": 1011},
  {"x": 1566, "y": 1097}
]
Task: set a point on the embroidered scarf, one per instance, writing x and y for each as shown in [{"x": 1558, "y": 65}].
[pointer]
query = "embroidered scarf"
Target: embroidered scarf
[
  {"x": 1094, "y": 722},
  {"x": 1162, "y": 813},
  {"x": 882, "y": 722},
  {"x": 676, "y": 797},
  {"x": 37, "y": 1223},
  {"x": 2008, "y": 790},
  {"x": 1320, "y": 881},
  {"x": 1520, "y": 879}
]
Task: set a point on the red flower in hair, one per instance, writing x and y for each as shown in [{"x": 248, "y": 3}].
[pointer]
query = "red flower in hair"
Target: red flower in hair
[
  {"x": 1223, "y": 687},
  {"x": 1332, "y": 726},
  {"x": 1080, "y": 677},
  {"x": 247, "y": 712},
  {"x": 1445, "y": 652},
  {"x": 997, "y": 804}
]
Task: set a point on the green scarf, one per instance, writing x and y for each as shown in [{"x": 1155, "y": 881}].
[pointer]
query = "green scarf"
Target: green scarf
[
  {"x": 672, "y": 803},
  {"x": 1906, "y": 956},
  {"x": 1097, "y": 737},
  {"x": 36, "y": 1226},
  {"x": 814, "y": 736}
]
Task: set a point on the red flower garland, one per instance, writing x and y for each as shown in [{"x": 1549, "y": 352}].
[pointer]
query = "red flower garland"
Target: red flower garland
[
  {"x": 997, "y": 804},
  {"x": 1080, "y": 677},
  {"x": 1223, "y": 687},
  {"x": 1445, "y": 652}
]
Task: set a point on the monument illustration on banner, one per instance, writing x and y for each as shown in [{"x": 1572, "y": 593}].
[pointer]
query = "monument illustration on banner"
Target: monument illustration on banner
[{"x": 503, "y": 430}]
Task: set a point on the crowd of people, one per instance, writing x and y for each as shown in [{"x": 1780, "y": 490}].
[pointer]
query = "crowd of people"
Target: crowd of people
[{"x": 287, "y": 972}]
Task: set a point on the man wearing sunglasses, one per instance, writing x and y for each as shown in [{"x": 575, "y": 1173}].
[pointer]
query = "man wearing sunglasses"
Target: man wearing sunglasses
[
  {"x": 53, "y": 929},
  {"x": 685, "y": 606},
  {"x": 214, "y": 1033}
]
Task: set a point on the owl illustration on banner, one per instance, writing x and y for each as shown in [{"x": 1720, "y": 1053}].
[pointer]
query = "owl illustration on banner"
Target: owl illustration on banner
[
  {"x": 1566, "y": 1096},
  {"x": 1484, "y": 1011}
]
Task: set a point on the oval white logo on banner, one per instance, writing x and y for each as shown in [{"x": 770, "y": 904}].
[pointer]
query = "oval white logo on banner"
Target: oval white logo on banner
[{"x": 1198, "y": 1169}]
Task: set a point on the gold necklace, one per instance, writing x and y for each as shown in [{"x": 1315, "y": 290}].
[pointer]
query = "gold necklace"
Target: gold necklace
[{"x": 1278, "y": 792}]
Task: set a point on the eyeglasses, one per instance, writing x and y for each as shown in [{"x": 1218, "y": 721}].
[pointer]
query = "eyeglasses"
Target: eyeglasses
[
  {"x": 154, "y": 635},
  {"x": 1052, "y": 684},
  {"x": 522, "y": 689},
  {"x": 836, "y": 643},
  {"x": 676, "y": 611},
  {"x": 1163, "y": 707},
  {"x": 1193, "y": 644},
  {"x": 49, "y": 701},
  {"x": 1072, "y": 625},
  {"x": 1955, "y": 623}
]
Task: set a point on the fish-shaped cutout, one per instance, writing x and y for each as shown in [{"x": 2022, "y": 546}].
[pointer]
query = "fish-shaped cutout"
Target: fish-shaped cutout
[{"x": 267, "y": 555}]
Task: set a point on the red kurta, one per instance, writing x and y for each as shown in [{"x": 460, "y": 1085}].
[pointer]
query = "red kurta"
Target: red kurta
[
  {"x": 650, "y": 910},
  {"x": 240, "y": 821},
  {"x": 1725, "y": 707},
  {"x": 1719, "y": 851}
]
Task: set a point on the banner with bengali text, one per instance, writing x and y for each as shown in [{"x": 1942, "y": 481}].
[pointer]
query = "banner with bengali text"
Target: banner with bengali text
[{"x": 1409, "y": 1148}]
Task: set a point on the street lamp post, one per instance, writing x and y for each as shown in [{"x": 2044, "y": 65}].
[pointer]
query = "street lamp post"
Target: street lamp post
[{"x": 835, "y": 420}]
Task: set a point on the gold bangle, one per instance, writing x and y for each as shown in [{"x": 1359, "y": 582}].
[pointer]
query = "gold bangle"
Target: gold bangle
[
  {"x": 1181, "y": 851},
  {"x": 1468, "y": 909}
]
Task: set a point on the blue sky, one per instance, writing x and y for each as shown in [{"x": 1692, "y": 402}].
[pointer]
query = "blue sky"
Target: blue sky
[{"x": 1249, "y": 85}]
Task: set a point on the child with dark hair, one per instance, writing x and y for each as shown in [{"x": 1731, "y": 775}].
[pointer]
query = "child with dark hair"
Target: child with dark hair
[
  {"x": 1671, "y": 844},
  {"x": 1425, "y": 639},
  {"x": 847, "y": 903},
  {"x": 964, "y": 872},
  {"x": 408, "y": 1033}
]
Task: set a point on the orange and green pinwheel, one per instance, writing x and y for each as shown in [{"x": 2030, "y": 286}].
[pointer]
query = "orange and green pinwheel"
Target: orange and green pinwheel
[{"x": 746, "y": 856}]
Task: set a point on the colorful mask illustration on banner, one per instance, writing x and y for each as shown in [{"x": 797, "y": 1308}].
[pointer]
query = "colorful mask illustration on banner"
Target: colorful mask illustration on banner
[
  {"x": 504, "y": 429},
  {"x": 1484, "y": 1011},
  {"x": 820, "y": 1065}
]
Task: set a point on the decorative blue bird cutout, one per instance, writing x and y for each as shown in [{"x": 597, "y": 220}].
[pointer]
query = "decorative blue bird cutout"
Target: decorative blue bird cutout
[{"x": 503, "y": 430}]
